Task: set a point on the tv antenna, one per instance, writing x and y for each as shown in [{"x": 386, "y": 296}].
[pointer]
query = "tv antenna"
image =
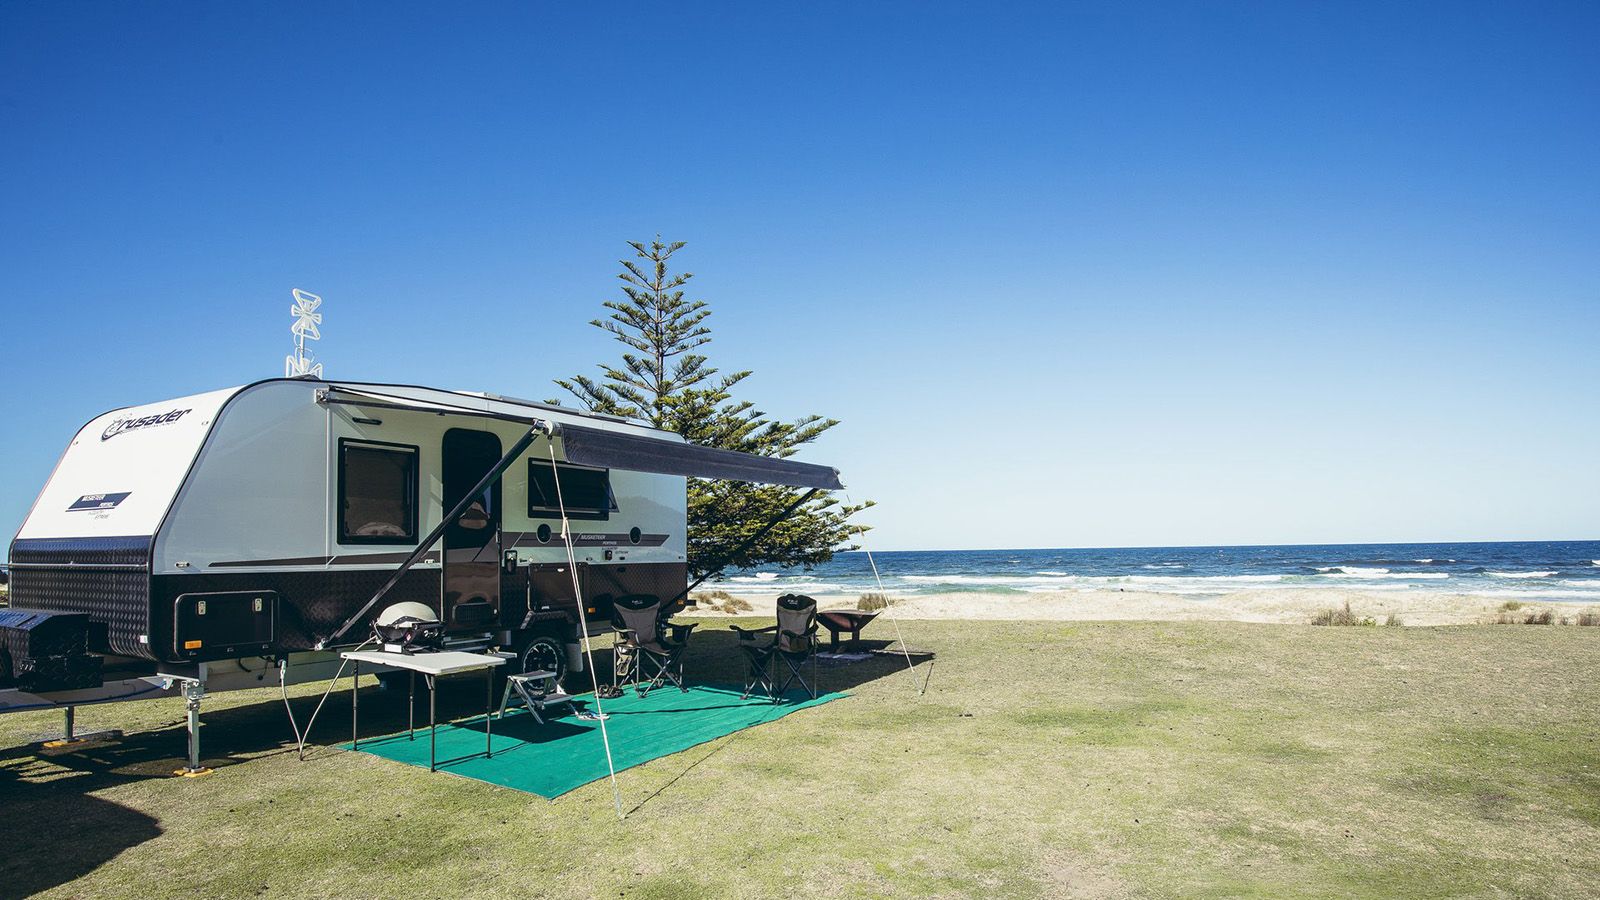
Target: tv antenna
[{"x": 306, "y": 320}]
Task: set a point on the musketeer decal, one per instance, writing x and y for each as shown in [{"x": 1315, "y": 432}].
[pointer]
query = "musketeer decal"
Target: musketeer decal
[
  {"x": 98, "y": 501},
  {"x": 129, "y": 424},
  {"x": 592, "y": 539}
]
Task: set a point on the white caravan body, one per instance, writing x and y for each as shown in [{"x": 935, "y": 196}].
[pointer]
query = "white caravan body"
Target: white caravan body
[{"x": 262, "y": 520}]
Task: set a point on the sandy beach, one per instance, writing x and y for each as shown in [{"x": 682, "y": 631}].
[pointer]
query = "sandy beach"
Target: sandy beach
[{"x": 1281, "y": 606}]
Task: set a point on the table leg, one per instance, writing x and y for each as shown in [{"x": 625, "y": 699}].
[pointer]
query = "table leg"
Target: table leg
[
  {"x": 488, "y": 707},
  {"x": 355, "y": 704},
  {"x": 433, "y": 722},
  {"x": 411, "y": 707}
]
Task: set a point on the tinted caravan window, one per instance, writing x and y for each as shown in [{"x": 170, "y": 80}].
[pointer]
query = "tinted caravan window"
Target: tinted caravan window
[
  {"x": 377, "y": 493},
  {"x": 586, "y": 492}
]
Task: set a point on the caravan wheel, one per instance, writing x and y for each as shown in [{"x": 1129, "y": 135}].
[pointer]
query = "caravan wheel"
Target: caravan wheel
[{"x": 544, "y": 652}]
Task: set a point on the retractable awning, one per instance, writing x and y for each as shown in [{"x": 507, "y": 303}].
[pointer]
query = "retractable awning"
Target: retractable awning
[
  {"x": 637, "y": 453},
  {"x": 605, "y": 448}
]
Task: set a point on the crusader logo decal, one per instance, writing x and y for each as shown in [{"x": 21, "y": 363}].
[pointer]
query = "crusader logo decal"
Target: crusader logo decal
[{"x": 126, "y": 424}]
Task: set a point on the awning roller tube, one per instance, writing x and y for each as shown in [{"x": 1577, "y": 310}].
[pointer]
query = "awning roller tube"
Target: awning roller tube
[{"x": 634, "y": 453}]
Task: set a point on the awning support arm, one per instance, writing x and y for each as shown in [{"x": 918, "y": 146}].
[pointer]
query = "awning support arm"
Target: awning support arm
[
  {"x": 745, "y": 545},
  {"x": 427, "y": 543}
]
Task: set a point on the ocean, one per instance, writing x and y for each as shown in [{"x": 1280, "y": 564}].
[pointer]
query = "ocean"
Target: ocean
[{"x": 1567, "y": 571}]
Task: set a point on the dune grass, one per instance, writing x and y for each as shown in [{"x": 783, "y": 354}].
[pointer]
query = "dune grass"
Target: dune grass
[
  {"x": 721, "y": 601},
  {"x": 872, "y": 602},
  {"x": 1047, "y": 759}
]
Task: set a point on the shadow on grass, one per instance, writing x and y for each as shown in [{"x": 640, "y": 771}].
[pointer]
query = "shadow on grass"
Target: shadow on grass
[
  {"x": 53, "y": 793},
  {"x": 63, "y": 822}
]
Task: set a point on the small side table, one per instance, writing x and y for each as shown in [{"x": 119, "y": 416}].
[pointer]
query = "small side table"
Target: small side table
[{"x": 841, "y": 620}]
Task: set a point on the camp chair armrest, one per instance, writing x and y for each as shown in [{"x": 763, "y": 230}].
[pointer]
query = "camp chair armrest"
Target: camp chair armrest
[
  {"x": 680, "y": 630},
  {"x": 749, "y": 634}
]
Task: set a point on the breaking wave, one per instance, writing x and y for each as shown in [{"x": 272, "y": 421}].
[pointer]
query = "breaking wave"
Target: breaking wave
[
  {"x": 969, "y": 579},
  {"x": 1532, "y": 570},
  {"x": 1373, "y": 572}
]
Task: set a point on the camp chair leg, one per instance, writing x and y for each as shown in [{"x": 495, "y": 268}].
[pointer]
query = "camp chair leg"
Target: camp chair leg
[
  {"x": 636, "y": 676},
  {"x": 757, "y": 675},
  {"x": 788, "y": 679},
  {"x": 676, "y": 666},
  {"x": 797, "y": 672},
  {"x": 667, "y": 668},
  {"x": 644, "y": 686}
]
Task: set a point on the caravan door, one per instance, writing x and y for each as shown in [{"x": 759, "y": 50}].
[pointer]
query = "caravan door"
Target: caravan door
[{"x": 472, "y": 542}]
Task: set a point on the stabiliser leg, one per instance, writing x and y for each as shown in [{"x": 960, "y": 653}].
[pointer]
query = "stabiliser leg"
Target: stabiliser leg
[
  {"x": 70, "y": 738},
  {"x": 192, "y": 692}
]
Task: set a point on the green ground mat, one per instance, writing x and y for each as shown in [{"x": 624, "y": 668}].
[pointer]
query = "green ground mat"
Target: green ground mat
[{"x": 566, "y": 752}]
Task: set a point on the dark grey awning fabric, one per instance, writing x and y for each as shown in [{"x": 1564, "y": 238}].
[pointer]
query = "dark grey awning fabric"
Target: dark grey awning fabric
[{"x": 615, "y": 450}]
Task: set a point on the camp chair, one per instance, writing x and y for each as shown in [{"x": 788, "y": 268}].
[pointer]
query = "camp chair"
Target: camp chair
[
  {"x": 655, "y": 656},
  {"x": 758, "y": 654},
  {"x": 793, "y": 638},
  {"x": 794, "y": 642}
]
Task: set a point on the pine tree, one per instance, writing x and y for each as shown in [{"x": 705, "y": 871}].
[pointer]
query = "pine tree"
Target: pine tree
[{"x": 663, "y": 381}]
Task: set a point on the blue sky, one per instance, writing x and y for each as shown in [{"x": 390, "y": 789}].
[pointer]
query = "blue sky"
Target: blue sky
[{"x": 1071, "y": 274}]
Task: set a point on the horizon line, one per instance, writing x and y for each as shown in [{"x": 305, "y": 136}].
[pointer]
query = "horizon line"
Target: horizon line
[{"x": 1223, "y": 546}]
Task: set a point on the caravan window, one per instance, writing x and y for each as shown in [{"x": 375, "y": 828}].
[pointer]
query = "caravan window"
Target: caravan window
[
  {"x": 377, "y": 493},
  {"x": 586, "y": 492}
]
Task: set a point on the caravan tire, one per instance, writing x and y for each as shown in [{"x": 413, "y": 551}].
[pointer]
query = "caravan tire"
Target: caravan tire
[{"x": 544, "y": 651}]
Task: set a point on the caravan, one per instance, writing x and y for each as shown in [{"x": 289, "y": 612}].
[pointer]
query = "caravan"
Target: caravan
[{"x": 220, "y": 540}]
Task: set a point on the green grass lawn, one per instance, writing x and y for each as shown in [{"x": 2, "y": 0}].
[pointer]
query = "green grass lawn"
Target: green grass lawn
[{"x": 1047, "y": 759}]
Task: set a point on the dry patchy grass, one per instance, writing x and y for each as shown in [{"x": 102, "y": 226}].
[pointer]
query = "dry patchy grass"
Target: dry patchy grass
[{"x": 1046, "y": 759}]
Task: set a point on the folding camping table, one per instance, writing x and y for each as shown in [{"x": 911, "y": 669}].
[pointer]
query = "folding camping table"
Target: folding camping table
[{"x": 431, "y": 665}]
